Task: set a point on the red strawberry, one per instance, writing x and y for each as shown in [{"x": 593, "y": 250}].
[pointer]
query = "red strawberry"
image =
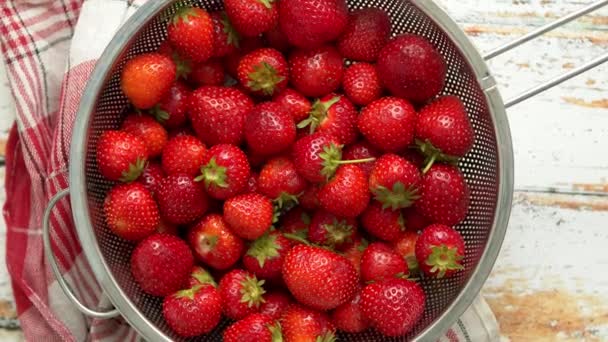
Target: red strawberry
[
  {"x": 167, "y": 228},
  {"x": 413, "y": 156},
  {"x": 394, "y": 181},
  {"x": 255, "y": 327},
  {"x": 316, "y": 72},
  {"x": 146, "y": 78},
  {"x": 161, "y": 264},
  {"x": 444, "y": 195},
  {"x": 214, "y": 243},
  {"x": 300, "y": 324},
  {"x": 231, "y": 62},
  {"x": 191, "y": 33},
  {"x": 414, "y": 221},
  {"x": 269, "y": 129},
  {"x": 184, "y": 130},
  {"x": 200, "y": 276},
  {"x": 183, "y": 155},
  {"x": 385, "y": 224},
  {"x": 439, "y": 251},
  {"x": 180, "y": 199},
  {"x": 252, "y": 17},
  {"x": 171, "y": 110},
  {"x": 131, "y": 212},
  {"x": 388, "y": 124},
  {"x": 183, "y": 67},
  {"x": 328, "y": 230},
  {"x": 334, "y": 115},
  {"x": 280, "y": 181},
  {"x": 242, "y": 294},
  {"x": 209, "y": 73},
  {"x": 308, "y": 153},
  {"x": 266, "y": 254},
  {"x": 225, "y": 171},
  {"x": 226, "y": 37},
  {"x": 318, "y": 278},
  {"x": 193, "y": 312},
  {"x": 151, "y": 176},
  {"x": 294, "y": 103},
  {"x": 263, "y": 72},
  {"x": 393, "y": 306},
  {"x": 348, "y": 317},
  {"x": 411, "y": 68},
  {"x": 218, "y": 114},
  {"x": 252, "y": 182},
  {"x": 275, "y": 303},
  {"x": 406, "y": 247},
  {"x": 151, "y": 132},
  {"x": 443, "y": 130},
  {"x": 361, "y": 84},
  {"x": 380, "y": 261},
  {"x": 308, "y": 200},
  {"x": 309, "y": 24},
  {"x": 354, "y": 253},
  {"x": 349, "y": 184},
  {"x": 249, "y": 216},
  {"x": 296, "y": 222},
  {"x": 361, "y": 150},
  {"x": 367, "y": 32},
  {"x": 121, "y": 156},
  {"x": 276, "y": 39}
]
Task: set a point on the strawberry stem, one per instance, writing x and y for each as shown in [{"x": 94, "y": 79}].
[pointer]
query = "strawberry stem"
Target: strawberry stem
[
  {"x": 433, "y": 154},
  {"x": 252, "y": 291},
  {"x": 213, "y": 174},
  {"x": 396, "y": 198},
  {"x": 356, "y": 161},
  {"x": 298, "y": 238},
  {"x": 444, "y": 258},
  {"x": 264, "y": 78},
  {"x": 318, "y": 113},
  {"x": 233, "y": 37},
  {"x": 134, "y": 170},
  {"x": 264, "y": 248}
]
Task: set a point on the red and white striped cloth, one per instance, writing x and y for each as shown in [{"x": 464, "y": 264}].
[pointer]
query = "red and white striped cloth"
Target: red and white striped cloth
[{"x": 50, "y": 48}]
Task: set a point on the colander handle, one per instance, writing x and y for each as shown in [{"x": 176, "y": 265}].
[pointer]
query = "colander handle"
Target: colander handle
[{"x": 46, "y": 239}]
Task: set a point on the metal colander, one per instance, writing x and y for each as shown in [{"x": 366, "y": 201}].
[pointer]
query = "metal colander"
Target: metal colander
[{"x": 488, "y": 168}]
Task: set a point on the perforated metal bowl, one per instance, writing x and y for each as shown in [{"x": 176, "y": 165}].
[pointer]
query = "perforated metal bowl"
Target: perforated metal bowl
[{"x": 488, "y": 167}]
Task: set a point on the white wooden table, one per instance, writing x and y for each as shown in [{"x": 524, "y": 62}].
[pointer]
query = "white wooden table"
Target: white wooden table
[{"x": 551, "y": 278}]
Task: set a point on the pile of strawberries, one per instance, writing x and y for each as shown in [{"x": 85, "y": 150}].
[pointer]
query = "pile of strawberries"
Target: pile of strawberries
[{"x": 297, "y": 153}]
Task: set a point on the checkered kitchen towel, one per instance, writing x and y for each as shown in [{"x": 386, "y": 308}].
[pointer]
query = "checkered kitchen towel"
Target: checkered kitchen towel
[{"x": 50, "y": 48}]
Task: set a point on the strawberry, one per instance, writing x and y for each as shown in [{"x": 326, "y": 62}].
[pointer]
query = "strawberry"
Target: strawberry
[
  {"x": 367, "y": 32},
  {"x": 413, "y": 156},
  {"x": 225, "y": 171},
  {"x": 276, "y": 39},
  {"x": 180, "y": 199},
  {"x": 318, "y": 278},
  {"x": 354, "y": 252},
  {"x": 242, "y": 294},
  {"x": 361, "y": 150},
  {"x": 439, "y": 251},
  {"x": 161, "y": 264},
  {"x": 191, "y": 33},
  {"x": 348, "y": 317},
  {"x": 406, "y": 247},
  {"x": 280, "y": 181},
  {"x": 269, "y": 129},
  {"x": 334, "y": 115},
  {"x": 252, "y": 182},
  {"x": 317, "y": 72},
  {"x": 263, "y": 72},
  {"x": 231, "y": 62},
  {"x": 184, "y": 130},
  {"x": 275, "y": 303},
  {"x": 165, "y": 227},
  {"x": 411, "y": 68},
  {"x": 214, "y": 243},
  {"x": 255, "y": 327},
  {"x": 266, "y": 254},
  {"x": 152, "y": 175},
  {"x": 361, "y": 84},
  {"x": 311, "y": 154},
  {"x": 252, "y": 17},
  {"x": 349, "y": 184},
  {"x": 225, "y": 36},
  {"x": 328, "y": 230},
  {"x": 193, "y": 312},
  {"x": 443, "y": 130},
  {"x": 183, "y": 155},
  {"x": 200, "y": 276},
  {"x": 296, "y": 222},
  {"x": 218, "y": 114},
  {"x": 414, "y": 221},
  {"x": 308, "y": 200},
  {"x": 388, "y": 124},
  {"x": 444, "y": 195},
  {"x": 146, "y": 78},
  {"x": 131, "y": 212},
  {"x": 121, "y": 156},
  {"x": 249, "y": 215},
  {"x": 171, "y": 110},
  {"x": 300, "y": 323},
  {"x": 380, "y": 261},
  {"x": 310, "y": 24},
  {"x": 393, "y": 306},
  {"x": 183, "y": 67},
  {"x": 394, "y": 181},
  {"x": 294, "y": 103},
  {"x": 209, "y": 73},
  {"x": 149, "y": 131},
  {"x": 383, "y": 223}
]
